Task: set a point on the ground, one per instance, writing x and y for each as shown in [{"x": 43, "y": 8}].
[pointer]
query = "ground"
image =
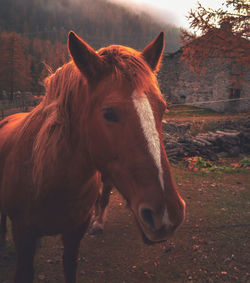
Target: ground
[{"x": 211, "y": 246}]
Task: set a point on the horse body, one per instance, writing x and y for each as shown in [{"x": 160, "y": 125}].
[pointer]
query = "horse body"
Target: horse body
[
  {"x": 68, "y": 193},
  {"x": 102, "y": 112},
  {"x": 8, "y": 128},
  {"x": 62, "y": 206}
]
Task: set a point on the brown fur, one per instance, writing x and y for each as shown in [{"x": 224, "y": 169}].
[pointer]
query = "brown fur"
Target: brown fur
[
  {"x": 50, "y": 158},
  {"x": 67, "y": 82}
]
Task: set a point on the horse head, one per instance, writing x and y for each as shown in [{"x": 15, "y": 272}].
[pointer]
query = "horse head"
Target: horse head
[{"x": 123, "y": 122}]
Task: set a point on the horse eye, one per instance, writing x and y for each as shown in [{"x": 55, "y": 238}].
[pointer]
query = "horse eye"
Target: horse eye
[{"x": 110, "y": 115}]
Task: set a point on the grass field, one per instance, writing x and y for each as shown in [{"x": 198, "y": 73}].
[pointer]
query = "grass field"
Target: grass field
[{"x": 189, "y": 113}]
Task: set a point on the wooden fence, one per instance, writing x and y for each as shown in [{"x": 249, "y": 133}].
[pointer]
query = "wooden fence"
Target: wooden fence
[{"x": 8, "y": 108}]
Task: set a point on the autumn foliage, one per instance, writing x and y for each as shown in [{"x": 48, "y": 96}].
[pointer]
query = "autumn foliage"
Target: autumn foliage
[
  {"x": 33, "y": 35},
  {"x": 14, "y": 64},
  {"x": 22, "y": 61},
  {"x": 197, "y": 164}
]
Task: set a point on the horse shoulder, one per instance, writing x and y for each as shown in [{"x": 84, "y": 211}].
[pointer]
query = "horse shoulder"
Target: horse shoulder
[{"x": 8, "y": 131}]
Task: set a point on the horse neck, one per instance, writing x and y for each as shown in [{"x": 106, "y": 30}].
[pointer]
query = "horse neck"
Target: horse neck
[{"x": 63, "y": 130}]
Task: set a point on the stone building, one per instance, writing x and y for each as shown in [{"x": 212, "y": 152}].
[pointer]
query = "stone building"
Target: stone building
[{"x": 223, "y": 87}]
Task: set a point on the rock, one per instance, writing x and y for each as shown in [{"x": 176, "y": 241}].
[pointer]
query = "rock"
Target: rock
[
  {"x": 231, "y": 140},
  {"x": 168, "y": 249},
  {"x": 234, "y": 151},
  {"x": 174, "y": 128},
  {"x": 222, "y": 154}
]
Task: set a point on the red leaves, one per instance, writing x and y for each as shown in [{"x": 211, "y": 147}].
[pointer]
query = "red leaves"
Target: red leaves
[
  {"x": 192, "y": 163},
  {"x": 197, "y": 163},
  {"x": 236, "y": 165}
]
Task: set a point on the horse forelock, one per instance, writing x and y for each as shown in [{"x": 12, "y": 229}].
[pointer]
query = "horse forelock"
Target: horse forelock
[{"x": 128, "y": 64}]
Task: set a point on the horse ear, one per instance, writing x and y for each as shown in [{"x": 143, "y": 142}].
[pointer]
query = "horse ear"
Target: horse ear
[
  {"x": 84, "y": 56},
  {"x": 152, "y": 53}
]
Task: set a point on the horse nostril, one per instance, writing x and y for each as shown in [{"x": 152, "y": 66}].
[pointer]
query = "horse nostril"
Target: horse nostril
[{"x": 147, "y": 217}]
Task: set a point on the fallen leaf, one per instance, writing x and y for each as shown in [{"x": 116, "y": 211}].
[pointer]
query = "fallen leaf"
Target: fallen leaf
[
  {"x": 237, "y": 165},
  {"x": 223, "y": 272}
]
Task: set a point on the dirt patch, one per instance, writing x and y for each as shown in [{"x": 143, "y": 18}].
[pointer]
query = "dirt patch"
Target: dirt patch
[{"x": 211, "y": 246}]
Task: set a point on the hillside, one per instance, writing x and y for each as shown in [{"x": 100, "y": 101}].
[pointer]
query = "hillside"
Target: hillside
[
  {"x": 99, "y": 22},
  {"x": 33, "y": 36}
]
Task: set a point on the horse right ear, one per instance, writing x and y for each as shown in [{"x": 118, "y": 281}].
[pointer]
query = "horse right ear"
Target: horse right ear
[
  {"x": 85, "y": 57},
  {"x": 152, "y": 53}
]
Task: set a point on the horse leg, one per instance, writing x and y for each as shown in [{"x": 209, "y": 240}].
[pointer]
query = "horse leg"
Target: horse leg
[
  {"x": 25, "y": 241},
  {"x": 71, "y": 241},
  {"x": 3, "y": 229},
  {"x": 101, "y": 210}
]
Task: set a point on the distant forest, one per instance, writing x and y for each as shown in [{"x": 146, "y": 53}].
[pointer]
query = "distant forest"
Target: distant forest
[{"x": 33, "y": 35}]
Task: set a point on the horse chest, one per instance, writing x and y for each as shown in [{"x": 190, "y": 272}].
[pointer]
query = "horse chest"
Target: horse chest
[{"x": 64, "y": 208}]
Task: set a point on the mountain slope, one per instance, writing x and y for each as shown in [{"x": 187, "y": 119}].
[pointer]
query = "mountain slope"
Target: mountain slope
[{"x": 99, "y": 22}]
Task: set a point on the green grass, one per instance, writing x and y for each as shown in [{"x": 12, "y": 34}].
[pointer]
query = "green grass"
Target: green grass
[
  {"x": 245, "y": 162},
  {"x": 202, "y": 167},
  {"x": 189, "y": 111}
]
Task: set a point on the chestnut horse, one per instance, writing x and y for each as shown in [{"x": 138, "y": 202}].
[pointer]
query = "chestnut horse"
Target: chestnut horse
[
  {"x": 100, "y": 209},
  {"x": 102, "y": 112}
]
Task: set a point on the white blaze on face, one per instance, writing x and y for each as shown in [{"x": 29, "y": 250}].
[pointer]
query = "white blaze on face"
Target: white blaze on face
[
  {"x": 148, "y": 125},
  {"x": 166, "y": 219}
]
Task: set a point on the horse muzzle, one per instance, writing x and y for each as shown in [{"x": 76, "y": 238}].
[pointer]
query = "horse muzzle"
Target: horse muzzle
[{"x": 158, "y": 228}]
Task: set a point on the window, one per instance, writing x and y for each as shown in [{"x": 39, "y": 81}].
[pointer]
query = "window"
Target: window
[
  {"x": 234, "y": 93},
  {"x": 183, "y": 99}
]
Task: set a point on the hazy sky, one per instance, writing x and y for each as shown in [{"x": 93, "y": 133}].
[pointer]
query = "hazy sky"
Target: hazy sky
[{"x": 172, "y": 11}]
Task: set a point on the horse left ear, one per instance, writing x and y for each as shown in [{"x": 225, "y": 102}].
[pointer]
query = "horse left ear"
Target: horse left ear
[
  {"x": 85, "y": 57},
  {"x": 152, "y": 53}
]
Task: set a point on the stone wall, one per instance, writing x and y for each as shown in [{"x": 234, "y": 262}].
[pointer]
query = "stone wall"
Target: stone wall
[{"x": 180, "y": 85}]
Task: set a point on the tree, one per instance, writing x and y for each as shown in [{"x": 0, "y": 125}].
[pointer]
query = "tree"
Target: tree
[
  {"x": 224, "y": 33},
  {"x": 14, "y": 66}
]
